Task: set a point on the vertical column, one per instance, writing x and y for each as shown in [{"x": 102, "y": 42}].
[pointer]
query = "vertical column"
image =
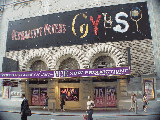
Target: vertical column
[
  {"x": 51, "y": 93},
  {"x": 27, "y": 89},
  {"x": 23, "y": 87},
  {"x": 86, "y": 91},
  {"x": 123, "y": 88}
]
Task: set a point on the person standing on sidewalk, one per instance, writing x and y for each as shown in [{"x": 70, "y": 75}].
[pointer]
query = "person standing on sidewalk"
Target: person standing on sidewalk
[
  {"x": 24, "y": 107},
  {"x": 46, "y": 103},
  {"x": 62, "y": 99},
  {"x": 145, "y": 102},
  {"x": 132, "y": 103},
  {"x": 90, "y": 105}
]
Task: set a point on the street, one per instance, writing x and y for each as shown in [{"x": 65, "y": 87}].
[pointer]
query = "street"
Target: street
[{"x": 16, "y": 116}]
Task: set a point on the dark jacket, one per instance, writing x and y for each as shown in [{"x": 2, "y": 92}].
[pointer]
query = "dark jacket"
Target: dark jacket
[
  {"x": 24, "y": 106},
  {"x": 46, "y": 101}
]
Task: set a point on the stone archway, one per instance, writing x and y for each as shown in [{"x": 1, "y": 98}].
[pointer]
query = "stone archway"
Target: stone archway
[
  {"x": 66, "y": 52},
  {"x": 104, "y": 50},
  {"x": 38, "y": 65},
  {"x": 37, "y": 54},
  {"x": 105, "y": 61},
  {"x": 69, "y": 63}
]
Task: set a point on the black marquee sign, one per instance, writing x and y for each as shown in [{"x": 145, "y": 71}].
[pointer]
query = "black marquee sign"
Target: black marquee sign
[{"x": 123, "y": 22}]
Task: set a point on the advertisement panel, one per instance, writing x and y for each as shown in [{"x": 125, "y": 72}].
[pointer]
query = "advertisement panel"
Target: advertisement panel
[
  {"x": 72, "y": 94},
  {"x": 6, "y": 92},
  {"x": 100, "y": 97},
  {"x": 123, "y": 22},
  {"x": 111, "y": 96},
  {"x": 35, "y": 96},
  {"x": 43, "y": 93},
  {"x": 149, "y": 88}
]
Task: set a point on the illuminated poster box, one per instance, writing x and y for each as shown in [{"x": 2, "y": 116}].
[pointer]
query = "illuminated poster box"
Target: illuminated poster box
[{"x": 149, "y": 88}]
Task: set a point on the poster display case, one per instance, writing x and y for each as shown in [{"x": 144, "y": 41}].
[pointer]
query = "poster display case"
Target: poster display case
[
  {"x": 43, "y": 93},
  {"x": 111, "y": 96},
  {"x": 38, "y": 96},
  {"x": 6, "y": 92},
  {"x": 105, "y": 97},
  {"x": 72, "y": 94},
  {"x": 35, "y": 96},
  {"x": 148, "y": 84},
  {"x": 100, "y": 97}
]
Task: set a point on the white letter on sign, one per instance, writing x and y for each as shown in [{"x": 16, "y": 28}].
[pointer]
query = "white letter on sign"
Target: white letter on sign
[{"x": 118, "y": 28}]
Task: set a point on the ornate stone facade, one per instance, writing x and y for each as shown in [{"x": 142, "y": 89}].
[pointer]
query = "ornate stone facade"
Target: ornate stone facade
[{"x": 144, "y": 53}]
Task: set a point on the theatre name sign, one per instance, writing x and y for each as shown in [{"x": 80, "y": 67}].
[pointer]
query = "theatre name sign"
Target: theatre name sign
[
  {"x": 68, "y": 73},
  {"x": 100, "y": 24}
]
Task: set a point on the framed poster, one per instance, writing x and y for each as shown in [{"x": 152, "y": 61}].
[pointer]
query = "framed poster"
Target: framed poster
[
  {"x": 72, "y": 94},
  {"x": 111, "y": 96},
  {"x": 35, "y": 96},
  {"x": 43, "y": 94},
  {"x": 149, "y": 88},
  {"x": 100, "y": 97},
  {"x": 6, "y": 92}
]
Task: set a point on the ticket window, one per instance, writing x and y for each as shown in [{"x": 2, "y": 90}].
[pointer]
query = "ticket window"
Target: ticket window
[
  {"x": 105, "y": 97},
  {"x": 38, "y": 96}
]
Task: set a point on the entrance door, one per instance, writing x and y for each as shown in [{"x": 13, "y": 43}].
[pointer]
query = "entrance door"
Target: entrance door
[
  {"x": 105, "y": 97},
  {"x": 38, "y": 96}
]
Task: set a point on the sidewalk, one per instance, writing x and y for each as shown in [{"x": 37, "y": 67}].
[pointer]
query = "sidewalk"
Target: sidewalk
[{"x": 37, "y": 111}]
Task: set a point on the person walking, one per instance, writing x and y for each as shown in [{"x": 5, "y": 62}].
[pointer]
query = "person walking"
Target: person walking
[
  {"x": 62, "y": 99},
  {"x": 135, "y": 100},
  {"x": 24, "y": 107},
  {"x": 145, "y": 102},
  {"x": 46, "y": 103},
  {"x": 132, "y": 103},
  {"x": 90, "y": 105}
]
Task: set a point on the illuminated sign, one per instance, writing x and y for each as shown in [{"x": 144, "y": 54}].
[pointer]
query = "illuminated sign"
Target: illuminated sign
[{"x": 123, "y": 22}]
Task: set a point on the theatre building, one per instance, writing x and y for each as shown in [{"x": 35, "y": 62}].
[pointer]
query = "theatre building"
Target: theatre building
[{"x": 53, "y": 37}]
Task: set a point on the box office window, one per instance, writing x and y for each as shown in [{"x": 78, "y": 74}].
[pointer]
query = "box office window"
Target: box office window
[{"x": 71, "y": 94}]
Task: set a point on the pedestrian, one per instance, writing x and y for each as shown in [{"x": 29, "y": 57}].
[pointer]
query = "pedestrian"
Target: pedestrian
[
  {"x": 62, "y": 99},
  {"x": 90, "y": 105},
  {"x": 46, "y": 103},
  {"x": 24, "y": 107},
  {"x": 135, "y": 99},
  {"x": 145, "y": 102},
  {"x": 132, "y": 103}
]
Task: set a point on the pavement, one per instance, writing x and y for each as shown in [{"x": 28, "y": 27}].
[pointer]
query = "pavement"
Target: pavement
[{"x": 40, "y": 111}]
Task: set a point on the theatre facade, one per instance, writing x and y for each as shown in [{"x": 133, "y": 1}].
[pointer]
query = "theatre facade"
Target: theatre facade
[{"x": 111, "y": 37}]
